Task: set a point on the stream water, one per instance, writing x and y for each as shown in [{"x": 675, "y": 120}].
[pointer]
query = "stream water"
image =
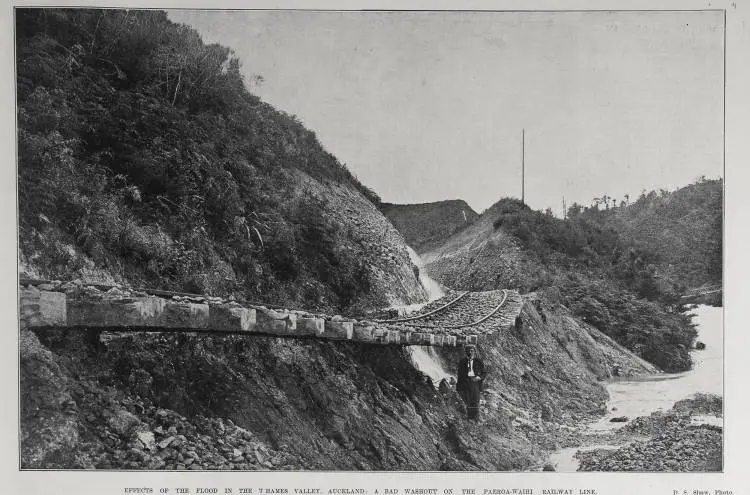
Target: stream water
[
  {"x": 424, "y": 358},
  {"x": 647, "y": 394},
  {"x": 628, "y": 397}
]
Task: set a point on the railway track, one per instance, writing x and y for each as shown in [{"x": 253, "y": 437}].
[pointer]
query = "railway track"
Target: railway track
[
  {"x": 464, "y": 315},
  {"x": 457, "y": 319},
  {"x": 429, "y": 313},
  {"x": 479, "y": 312}
]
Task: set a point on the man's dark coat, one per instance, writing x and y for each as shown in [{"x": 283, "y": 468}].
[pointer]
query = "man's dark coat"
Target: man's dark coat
[{"x": 470, "y": 389}]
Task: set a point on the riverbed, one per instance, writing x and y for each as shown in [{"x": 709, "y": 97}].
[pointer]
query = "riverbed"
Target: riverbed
[{"x": 642, "y": 396}]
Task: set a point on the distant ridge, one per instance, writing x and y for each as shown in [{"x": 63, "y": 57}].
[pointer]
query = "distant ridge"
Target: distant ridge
[{"x": 426, "y": 225}]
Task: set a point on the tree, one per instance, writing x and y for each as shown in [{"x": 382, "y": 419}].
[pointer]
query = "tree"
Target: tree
[{"x": 574, "y": 210}]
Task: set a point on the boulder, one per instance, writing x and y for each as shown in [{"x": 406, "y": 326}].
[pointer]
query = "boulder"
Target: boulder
[
  {"x": 166, "y": 442},
  {"x": 146, "y": 438},
  {"x": 445, "y": 387},
  {"x": 122, "y": 422}
]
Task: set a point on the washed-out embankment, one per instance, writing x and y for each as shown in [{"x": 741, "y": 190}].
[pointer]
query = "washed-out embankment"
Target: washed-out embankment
[{"x": 158, "y": 401}]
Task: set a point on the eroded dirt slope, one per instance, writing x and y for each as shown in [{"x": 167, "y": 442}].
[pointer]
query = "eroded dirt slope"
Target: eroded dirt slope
[{"x": 161, "y": 401}]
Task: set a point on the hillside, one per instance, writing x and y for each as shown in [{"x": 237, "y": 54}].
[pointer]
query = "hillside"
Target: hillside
[
  {"x": 426, "y": 225},
  {"x": 621, "y": 268},
  {"x": 159, "y": 401},
  {"x": 662, "y": 243},
  {"x": 144, "y": 160},
  {"x": 681, "y": 231}
]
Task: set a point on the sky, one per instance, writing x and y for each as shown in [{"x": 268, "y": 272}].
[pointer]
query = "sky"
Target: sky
[{"x": 428, "y": 106}]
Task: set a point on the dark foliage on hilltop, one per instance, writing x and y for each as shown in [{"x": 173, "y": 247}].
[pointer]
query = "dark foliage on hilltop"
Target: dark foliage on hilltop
[
  {"x": 587, "y": 246},
  {"x": 680, "y": 231},
  {"x": 607, "y": 288},
  {"x": 140, "y": 146},
  {"x": 655, "y": 247}
]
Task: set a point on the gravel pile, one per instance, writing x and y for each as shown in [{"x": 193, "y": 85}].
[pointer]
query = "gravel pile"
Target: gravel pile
[
  {"x": 674, "y": 442},
  {"x": 679, "y": 448},
  {"x": 132, "y": 435}
]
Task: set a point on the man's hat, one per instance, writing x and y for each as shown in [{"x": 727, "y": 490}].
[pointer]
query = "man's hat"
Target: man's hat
[{"x": 470, "y": 346}]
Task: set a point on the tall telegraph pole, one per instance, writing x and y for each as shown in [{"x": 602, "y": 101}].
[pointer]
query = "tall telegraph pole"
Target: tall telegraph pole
[{"x": 523, "y": 165}]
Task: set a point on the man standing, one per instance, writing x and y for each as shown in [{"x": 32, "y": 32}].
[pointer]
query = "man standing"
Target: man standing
[{"x": 470, "y": 378}]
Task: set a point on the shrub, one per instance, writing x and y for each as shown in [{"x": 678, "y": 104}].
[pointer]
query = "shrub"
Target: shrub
[
  {"x": 644, "y": 327},
  {"x": 151, "y": 155}
]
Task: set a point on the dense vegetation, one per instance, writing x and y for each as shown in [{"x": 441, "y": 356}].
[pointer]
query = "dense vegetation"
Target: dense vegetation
[
  {"x": 626, "y": 266},
  {"x": 679, "y": 232},
  {"x": 140, "y": 146},
  {"x": 656, "y": 247},
  {"x": 658, "y": 336},
  {"x": 623, "y": 267},
  {"x": 637, "y": 260}
]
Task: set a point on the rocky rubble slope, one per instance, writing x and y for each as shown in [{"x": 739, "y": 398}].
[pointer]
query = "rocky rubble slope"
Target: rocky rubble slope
[
  {"x": 480, "y": 257},
  {"x": 675, "y": 440},
  {"x": 360, "y": 232},
  {"x": 157, "y": 401},
  {"x": 681, "y": 447}
]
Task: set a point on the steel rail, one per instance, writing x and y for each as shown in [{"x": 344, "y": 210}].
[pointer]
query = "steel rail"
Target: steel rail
[
  {"x": 425, "y": 315},
  {"x": 473, "y": 323}
]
